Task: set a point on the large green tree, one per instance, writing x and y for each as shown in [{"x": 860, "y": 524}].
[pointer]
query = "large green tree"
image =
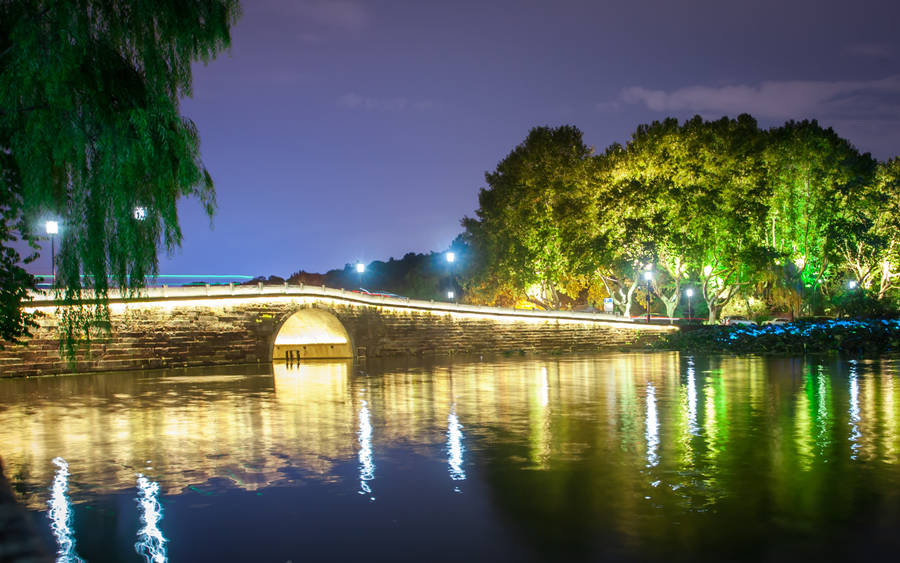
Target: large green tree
[
  {"x": 531, "y": 212},
  {"x": 694, "y": 195},
  {"x": 91, "y": 130},
  {"x": 816, "y": 180},
  {"x": 870, "y": 245}
]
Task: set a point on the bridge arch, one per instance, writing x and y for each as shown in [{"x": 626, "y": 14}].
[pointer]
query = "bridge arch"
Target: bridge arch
[{"x": 311, "y": 334}]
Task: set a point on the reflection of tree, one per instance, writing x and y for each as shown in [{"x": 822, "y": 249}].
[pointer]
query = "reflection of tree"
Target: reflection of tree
[{"x": 757, "y": 447}]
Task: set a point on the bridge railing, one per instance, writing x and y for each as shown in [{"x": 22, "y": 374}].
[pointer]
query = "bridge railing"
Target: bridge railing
[{"x": 44, "y": 299}]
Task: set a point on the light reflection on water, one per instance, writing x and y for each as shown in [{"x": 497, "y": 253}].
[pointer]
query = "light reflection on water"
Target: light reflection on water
[
  {"x": 579, "y": 442},
  {"x": 455, "y": 447},
  {"x": 60, "y": 514},
  {"x": 854, "y": 410},
  {"x": 151, "y": 543},
  {"x": 652, "y": 427},
  {"x": 366, "y": 463}
]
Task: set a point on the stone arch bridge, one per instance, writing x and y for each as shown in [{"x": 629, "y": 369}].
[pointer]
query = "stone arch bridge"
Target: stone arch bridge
[{"x": 192, "y": 326}]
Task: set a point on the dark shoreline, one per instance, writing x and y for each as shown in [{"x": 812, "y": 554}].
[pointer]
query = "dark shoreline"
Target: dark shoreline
[{"x": 848, "y": 336}]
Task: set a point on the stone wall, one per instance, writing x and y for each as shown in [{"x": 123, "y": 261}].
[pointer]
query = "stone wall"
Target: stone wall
[{"x": 177, "y": 335}]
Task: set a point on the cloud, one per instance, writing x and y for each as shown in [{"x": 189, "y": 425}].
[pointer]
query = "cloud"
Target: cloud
[
  {"x": 356, "y": 102},
  {"x": 873, "y": 50},
  {"x": 865, "y": 111},
  {"x": 794, "y": 99}
]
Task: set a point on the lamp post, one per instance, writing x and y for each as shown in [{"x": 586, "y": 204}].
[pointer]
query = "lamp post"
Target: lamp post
[
  {"x": 52, "y": 227},
  {"x": 360, "y": 268},
  {"x": 451, "y": 258},
  {"x": 450, "y": 295},
  {"x": 690, "y": 293},
  {"x": 648, "y": 275}
]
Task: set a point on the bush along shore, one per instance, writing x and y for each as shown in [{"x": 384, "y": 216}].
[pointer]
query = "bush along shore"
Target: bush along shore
[{"x": 854, "y": 336}]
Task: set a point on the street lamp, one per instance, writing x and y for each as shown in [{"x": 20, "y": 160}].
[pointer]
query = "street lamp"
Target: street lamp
[
  {"x": 450, "y": 295},
  {"x": 851, "y": 284},
  {"x": 451, "y": 258},
  {"x": 360, "y": 268},
  {"x": 140, "y": 213},
  {"x": 690, "y": 293},
  {"x": 52, "y": 227},
  {"x": 648, "y": 275}
]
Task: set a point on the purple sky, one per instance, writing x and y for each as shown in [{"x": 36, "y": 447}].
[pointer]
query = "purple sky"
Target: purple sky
[{"x": 344, "y": 130}]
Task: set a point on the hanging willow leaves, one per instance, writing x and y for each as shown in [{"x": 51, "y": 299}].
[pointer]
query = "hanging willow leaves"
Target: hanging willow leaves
[{"x": 91, "y": 125}]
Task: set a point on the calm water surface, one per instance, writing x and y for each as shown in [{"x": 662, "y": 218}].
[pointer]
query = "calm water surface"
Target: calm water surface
[{"x": 611, "y": 457}]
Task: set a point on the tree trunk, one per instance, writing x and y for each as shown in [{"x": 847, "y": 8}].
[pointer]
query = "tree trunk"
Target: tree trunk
[
  {"x": 713, "y": 313},
  {"x": 630, "y": 296}
]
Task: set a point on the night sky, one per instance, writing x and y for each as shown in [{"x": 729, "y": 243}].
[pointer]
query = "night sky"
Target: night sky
[{"x": 346, "y": 130}]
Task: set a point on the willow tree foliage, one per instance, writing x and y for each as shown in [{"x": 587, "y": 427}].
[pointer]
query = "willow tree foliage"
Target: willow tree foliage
[
  {"x": 91, "y": 129},
  {"x": 529, "y": 215}
]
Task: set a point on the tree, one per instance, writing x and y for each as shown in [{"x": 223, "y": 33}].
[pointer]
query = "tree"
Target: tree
[
  {"x": 530, "y": 214},
  {"x": 14, "y": 280},
  {"x": 695, "y": 198},
  {"x": 91, "y": 129},
  {"x": 814, "y": 177},
  {"x": 871, "y": 246}
]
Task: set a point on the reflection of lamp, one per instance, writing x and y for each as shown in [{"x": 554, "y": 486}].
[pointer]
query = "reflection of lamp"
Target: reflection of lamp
[
  {"x": 455, "y": 447},
  {"x": 52, "y": 227},
  {"x": 366, "y": 463}
]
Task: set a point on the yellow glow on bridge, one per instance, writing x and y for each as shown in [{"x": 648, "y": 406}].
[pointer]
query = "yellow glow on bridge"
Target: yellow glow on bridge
[
  {"x": 213, "y": 297},
  {"x": 312, "y": 333}
]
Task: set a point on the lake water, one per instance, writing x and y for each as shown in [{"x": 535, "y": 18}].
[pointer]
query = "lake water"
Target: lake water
[{"x": 621, "y": 457}]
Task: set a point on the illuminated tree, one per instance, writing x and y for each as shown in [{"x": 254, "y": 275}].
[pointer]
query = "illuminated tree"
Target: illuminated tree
[
  {"x": 91, "y": 125},
  {"x": 814, "y": 177},
  {"x": 871, "y": 246},
  {"x": 529, "y": 217},
  {"x": 695, "y": 198}
]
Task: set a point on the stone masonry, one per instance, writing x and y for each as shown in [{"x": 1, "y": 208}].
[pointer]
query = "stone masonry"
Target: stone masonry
[{"x": 243, "y": 331}]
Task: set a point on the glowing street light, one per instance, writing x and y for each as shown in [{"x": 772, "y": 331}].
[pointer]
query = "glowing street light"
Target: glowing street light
[
  {"x": 451, "y": 258},
  {"x": 52, "y": 228},
  {"x": 140, "y": 213},
  {"x": 360, "y": 268},
  {"x": 851, "y": 284}
]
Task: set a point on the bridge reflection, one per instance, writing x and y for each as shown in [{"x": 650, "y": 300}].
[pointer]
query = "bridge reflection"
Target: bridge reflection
[{"x": 660, "y": 422}]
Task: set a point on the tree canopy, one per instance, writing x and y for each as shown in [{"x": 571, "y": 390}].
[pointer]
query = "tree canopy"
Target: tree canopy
[
  {"x": 91, "y": 135},
  {"x": 784, "y": 216}
]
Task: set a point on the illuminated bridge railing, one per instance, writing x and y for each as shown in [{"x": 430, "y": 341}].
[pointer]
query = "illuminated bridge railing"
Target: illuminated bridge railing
[{"x": 233, "y": 294}]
